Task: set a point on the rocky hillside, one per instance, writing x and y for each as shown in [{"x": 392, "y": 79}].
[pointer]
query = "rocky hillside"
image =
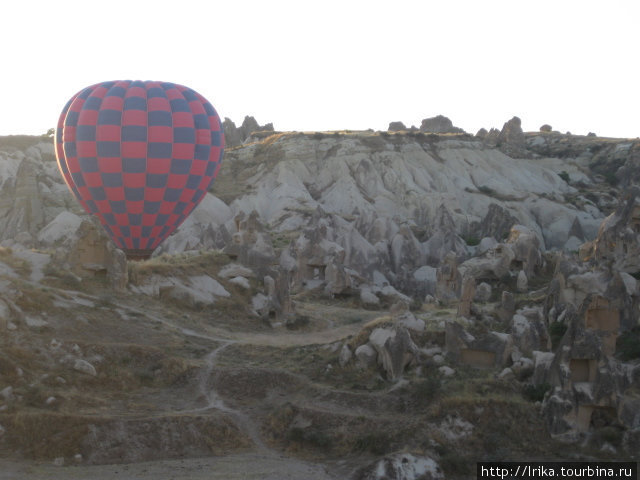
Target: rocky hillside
[{"x": 335, "y": 294}]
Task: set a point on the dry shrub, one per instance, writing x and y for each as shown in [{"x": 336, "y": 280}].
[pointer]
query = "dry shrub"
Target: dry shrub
[{"x": 41, "y": 435}]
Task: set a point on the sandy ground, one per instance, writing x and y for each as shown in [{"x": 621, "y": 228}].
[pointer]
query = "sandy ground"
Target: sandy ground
[{"x": 231, "y": 467}]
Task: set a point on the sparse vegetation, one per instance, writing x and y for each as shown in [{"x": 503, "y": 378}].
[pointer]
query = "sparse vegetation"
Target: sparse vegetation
[
  {"x": 487, "y": 190},
  {"x": 556, "y": 332},
  {"x": 611, "y": 179},
  {"x": 426, "y": 390},
  {"x": 535, "y": 393},
  {"x": 471, "y": 240},
  {"x": 564, "y": 176},
  {"x": 377, "y": 443},
  {"x": 628, "y": 345},
  {"x": 157, "y": 359}
]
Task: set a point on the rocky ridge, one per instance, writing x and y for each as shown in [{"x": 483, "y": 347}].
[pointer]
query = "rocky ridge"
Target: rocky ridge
[{"x": 509, "y": 252}]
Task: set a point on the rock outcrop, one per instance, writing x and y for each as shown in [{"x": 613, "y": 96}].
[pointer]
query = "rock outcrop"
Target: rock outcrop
[
  {"x": 396, "y": 127},
  {"x": 492, "y": 350},
  {"x": 618, "y": 242},
  {"x": 401, "y": 466},
  {"x": 235, "y": 136},
  {"x": 82, "y": 247},
  {"x": 439, "y": 124},
  {"x": 511, "y": 138}
]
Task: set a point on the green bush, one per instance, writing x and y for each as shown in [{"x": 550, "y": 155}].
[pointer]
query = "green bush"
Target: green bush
[
  {"x": 535, "y": 393},
  {"x": 427, "y": 389},
  {"x": 564, "y": 176},
  {"x": 628, "y": 345},
  {"x": 311, "y": 437},
  {"x": 376, "y": 443},
  {"x": 611, "y": 178},
  {"x": 556, "y": 332},
  {"x": 486, "y": 190},
  {"x": 472, "y": 241}
]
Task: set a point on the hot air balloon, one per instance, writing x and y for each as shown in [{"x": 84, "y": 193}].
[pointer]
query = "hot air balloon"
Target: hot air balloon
[{"x": 139, "y": 155}]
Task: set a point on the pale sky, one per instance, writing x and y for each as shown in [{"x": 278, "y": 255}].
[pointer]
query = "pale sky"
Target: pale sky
[{"x": 331, "y": 65}]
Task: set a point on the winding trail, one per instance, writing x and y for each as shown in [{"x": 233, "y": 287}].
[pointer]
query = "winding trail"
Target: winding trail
[
  {"x": 207, "y": 391},
  {"x": 262, "y": 463}
]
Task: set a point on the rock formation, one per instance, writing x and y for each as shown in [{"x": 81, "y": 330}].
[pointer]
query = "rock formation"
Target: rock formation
[
  {"x": 439, "y": 124},
  {"x": 235, "y": 136},
  {"x": 618, "y": 240},
  {"x": 396, "y": 127},
  {"x": 342, "y": 227},
  {"x": 401, "y": 466},
  {"x": 511, "y": 138}
]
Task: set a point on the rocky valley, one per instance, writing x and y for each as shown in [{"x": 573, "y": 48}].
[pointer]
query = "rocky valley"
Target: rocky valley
[{"x": 392, "y": 304}]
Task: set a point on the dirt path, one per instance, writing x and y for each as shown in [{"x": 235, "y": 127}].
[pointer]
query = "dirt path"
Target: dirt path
[
  {"x": 287, "y": 339},
  {"x": 230, "y": 467},
  {"x": 277, "y": 338},
  {"x": 263, "y": 463}
]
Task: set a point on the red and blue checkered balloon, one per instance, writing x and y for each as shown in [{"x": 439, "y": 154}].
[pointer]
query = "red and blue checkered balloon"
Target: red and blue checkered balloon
[{"x": 139, "y": 155}]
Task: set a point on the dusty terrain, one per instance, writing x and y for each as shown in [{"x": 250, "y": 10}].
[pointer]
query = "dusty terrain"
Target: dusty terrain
[
  {"x": 234, "y": 354},
  {"x": 219, "y": 388}
]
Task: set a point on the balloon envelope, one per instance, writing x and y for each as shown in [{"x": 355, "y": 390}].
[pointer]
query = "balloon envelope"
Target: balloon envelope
[{"x": 139, "y": 155}]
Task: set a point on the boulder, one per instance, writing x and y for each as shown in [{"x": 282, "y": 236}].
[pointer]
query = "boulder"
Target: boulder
[
  {"x": 241, "y": 282},
  {"x": 367, "y": 297},
  {"x": 483, "y": 293},
  {"x": 84, "y": 367},
  {"x": 522, "y": 283},
  {"x": 522, "y": 368},
  {"x": 7, "y": 393},
  {"x": 446, "y": 371},
  {"x": 345, "y": 355},
  {"x": 365, "y": 356},
  {"x": 235, "y": 270},
  {"x": 409, "y": 321},
  {"x": 196, "y": 292},
  {"x": 401, "y": 466}
]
